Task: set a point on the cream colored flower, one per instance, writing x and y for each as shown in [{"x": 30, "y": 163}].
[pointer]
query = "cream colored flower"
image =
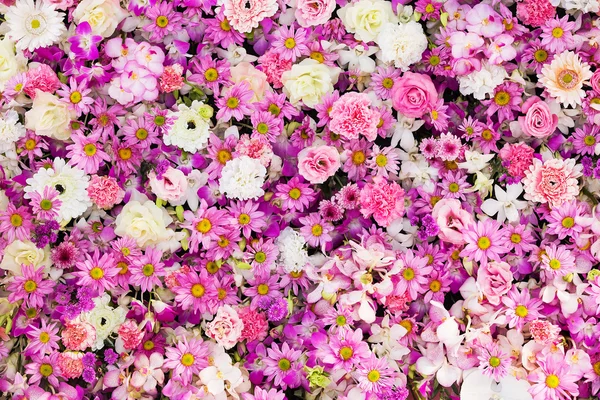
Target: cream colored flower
[
  {"x": 366, "y": 18},
  {"x": 18, "y": 253},
  {"x": 10, "y": 62},
  {"x": 309, "y": 81},
  {"x": 102, "y": 15},
  {"x": 49, "y": 116},
  {"x": 564, "y": 78},
  {"x": 144, "y": 222}
]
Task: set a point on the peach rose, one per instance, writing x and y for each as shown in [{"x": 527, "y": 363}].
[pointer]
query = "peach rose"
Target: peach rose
[
  {"x": 226, "y": 328},
  {"x": 495, "y": 280}
]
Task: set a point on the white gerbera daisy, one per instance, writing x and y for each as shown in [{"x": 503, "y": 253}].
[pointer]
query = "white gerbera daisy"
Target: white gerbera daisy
[
  {"x": 70, "y": 182},
  {"x": 11, "y": 130},
  {"x": 564, "y": 78},
  {"x": 191, "y": 129},
  {"x": 34, "y": 25}
]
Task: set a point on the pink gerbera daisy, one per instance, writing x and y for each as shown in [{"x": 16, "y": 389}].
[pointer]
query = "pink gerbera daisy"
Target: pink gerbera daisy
[
  {"x": 557, "y": 261},
  {"x": 43, "y": 340},
  {"x": 295, "y": 195},
  {"x": 234, "y": 103},
  {"x": 45, "y": 367},
  {"x": 346, "y": 350},
  {"x": 86, "y": 154},
  {"x": 375, "y": 375},
  {"x": 246, "y": 217},
  {"x": 195, "y": 291},
  {"x": 15, "y": 223},
  {"x": 46, "y": 205},
  {"x": 315, "y": 230},
  {"x": 553, "y": 379}
]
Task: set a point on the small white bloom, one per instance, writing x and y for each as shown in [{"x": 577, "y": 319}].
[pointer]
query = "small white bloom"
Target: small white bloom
[
  {"x": 11, "y": 130},
  {"x": 483, "y": 82},
  {"x": 402, "y": 44},
  {"x": 483, "y": 184},
  {"x": 585, "y": 6},
  {"x": 292, "y": 250},
  {"x": 506, "y": 206},
  {"x": 221, "y": 371},
  {"x": 235, "y": 55},
  {"x": 191, "y": 129},
  {"x": 105, "y": 319},
  {"x": 71, "y": 183},
  {"x": 475, "y": 161},
  {"x": 34, "y": 24},
  {"x": 358, "y": 58},
  {"x": 242, "y": 178}
]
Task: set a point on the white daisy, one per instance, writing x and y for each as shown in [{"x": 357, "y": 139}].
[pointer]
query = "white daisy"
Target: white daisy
[
  {"x": 11, "y": 130},
  {"x": 190, "y": 131},
  {"x": 34, "y": 25},
  {"x": 70, "y": 182},
  {"x": 564, "y": 77}
]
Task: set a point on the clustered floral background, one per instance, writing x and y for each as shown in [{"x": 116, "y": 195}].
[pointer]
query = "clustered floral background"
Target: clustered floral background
[{"x": 305, "y": 199}]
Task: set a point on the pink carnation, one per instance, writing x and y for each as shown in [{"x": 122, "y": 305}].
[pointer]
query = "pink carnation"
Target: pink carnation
[
  {"x": 517, "y": 158},
  {"x": 535, "y": 12},
  {"x": 70, "y": 364},
  {"x": 553, "y": 181},
  {"x": 352, "y": 115},
  {"x": 384, "y": 201},
  {"x": 255, "y": 324},
  {"x": 257, "y": 148},
  {"x": 130, "y": 334},
  {"x": 543, "y": 332},
  {"x": 226, "y": 328},
  {"x": 105, "y": 191},
  {"x": 314, "y": 12},
  {"x": 245, "y": 15},
  {"x": 317, "y": 163},
  {"x": 78, "y": 335},
  {"x": 41, "y": 78},
  {"x": 495, "y": 280},
  {"x": 171, "y": 79},
  {"x": 274, "y": 66}
]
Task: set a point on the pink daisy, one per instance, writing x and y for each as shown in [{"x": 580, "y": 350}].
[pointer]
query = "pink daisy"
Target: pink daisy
[
  {"x": 413, "y": 275},
  {"x": 30, "y": 286},
  {"x": 346, "y": 350},
  {"x": 521, "y": 307},
  {"x": 97, "y": 272},
  {"x": 43, "y": 340},
  {"x": 147, "y": 270},
  {"x": 295, "y": 195},
  {"x": 375, "y": 375},
  {"x": 205, "y": 225},
  {"x": 15, "y": 223},
  {"x": 315, "y": 230},
  {"x": 557, "y": 261},
  {"x": 46, "y": 205},
  {"x": 483, "y": 241},
  {"x": 85, "y": 153},
  {"x": 187, "y": 358},
  {"x": 493, "y": 361},
  {"x": 246, "y": 217},
  {"x": 556, "y": 34},
  {"x": 261, "y": 255},
  {"x": 234, "y": 103},
  {"x": 290, "y": 43},
  {"x": 553, "y": 379},
  {"x": 195, "y": 291},
  {"x": 45, "y": 367}
]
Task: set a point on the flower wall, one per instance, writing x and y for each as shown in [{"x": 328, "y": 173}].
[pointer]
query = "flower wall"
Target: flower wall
[{"x": 305, "y": 199}]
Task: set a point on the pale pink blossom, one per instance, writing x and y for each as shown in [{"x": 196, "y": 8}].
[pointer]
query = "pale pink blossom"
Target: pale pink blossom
[{"x": 553, "y": 181}]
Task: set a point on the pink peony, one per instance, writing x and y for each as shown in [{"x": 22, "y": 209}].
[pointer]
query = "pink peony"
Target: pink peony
[
  {"x": 171, "y": 187},
  {"x": 517, "y": 158},
  {"x": 314, "y": 12},
  {"x": 245, "y": 15},
  {"x": 495, "y": 280},
  {"x": 535, "y": 12},
  {"x": 226, "y": 328},
  {"x": 104, "y": 191},
  {"x": 382, "y": 200},
  {"x": 70, "y": 364},
  {"x": 538, "y": 121},
  {"x": 41, "y": 78},
  {"x": 317, "y": 163},
  {"x": 414, "y": 94},
  {"x": 255, "y": 326},
  {"x": 451, "y": 219},
  {"x": 553, "y": 181},
  {"x": 78, "y": 335},
  {"x": 352, "y": 115}
]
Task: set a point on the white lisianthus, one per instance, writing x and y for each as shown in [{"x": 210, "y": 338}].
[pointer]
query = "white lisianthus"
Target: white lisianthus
[
  {"x": 309, "y": 81},
  {"x": 102, "y": 15},
  {"x": 145, "y": 222},
  {"x": 105, "y": 319},
  {"x": 366, "y": 18},
  {"x": 11, "y": 130},
  {"x": 191, "y": 129},
  {"x": 292, "y": 250},
  {"x": 242, "y": 178},
  {"x": 483, "y": 82},
  {"x": 24, "y": 253},
  {"x": 49, "y": 116},
  {"x": 403, "y": 44},
  {"x": 10, "y": 62}
]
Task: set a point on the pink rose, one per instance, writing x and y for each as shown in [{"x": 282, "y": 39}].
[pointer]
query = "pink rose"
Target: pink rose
[
  {"x": 226, "y": 328},
  {"x": 171, "y": 187},
  {"x": 451, "y": 219},
  {"x": 414, "y": 94},
  {"x": 317, "y": 163},
  {"x": 495, "y": 280},
  {"x": 538, "y": 121},
  {"x": 595, "y": 81},
  {"x": 314, "y": 12}
]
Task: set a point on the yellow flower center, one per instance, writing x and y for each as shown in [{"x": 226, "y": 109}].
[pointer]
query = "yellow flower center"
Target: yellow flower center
[
  {"x": 429, "y": 8},
  {"x": 187, "y": 359},
  {"x": 212, "y": 267},
  {"x": 260, "y": 257},
  {"x": 290, "y": 43},
  {"x": 30, "y": 144},
  {"x": 515, "y": 238},
  {"x": 453, "y": 187},
  {"x": 568, "y": 222},
  {"x": 232, "y": 102},
  {"x": 502, "y": 98},
  {"x": 340, "y": 320},
  {"x": 494, "y": 362},
  {"x": 554, "y": 264},
  {"x": 434, "y": 61},
  {"x": 148, "y": 270},
  {"x": 381, "y": 160},
  {"x": 148, "y": 345},
  {"x": 387, "y": 83},
  {"x": 552, "y": 381},
  {"x": 44, "y": 337},
  {"x": 162, "y": 21},
  {"x": 35, "y": 24},
  {"x": 262, "y": 289},
  {"x": 540, "y": 55},
  {"x": 197, "y": 290},
  {"x": 373, "y": 376},
  {"x": 225, "y": 25},
  {"x": 221, "y": 293},
  {"x": 406, "y": 324},
  {"x": 568, "y": 79},
  {"x": 223, "y": 156},
  {"x": 223, "y": 242},
  {"x": 315, "y": 55},
  {"x": 435, "y": 286},
  {"x": 295, "y": 193},
  {"x": 16, "y": 220},
  {"x": 274, "y": 109},
  {"x": 96, "y": 273},
  {"x": 358, "y": 157},
  {"x": 521, "y": 311},
  {"x": 46, "y": 370},
  {"x": 141, "y": 134},
  {"x": 487, "y": 135},
  {"x": 597, "y": 368},
  {"x": 557, "y": 32},
  {"x": 46, "y": 204},
  {"x": 589, "y": 140},
  {"x": 484, "y": 243},
  {"x": 409, "y": 274},
  {"x": 211, "y": 74},
  {"x": 346, "y": 352},
  {"x": 124, "y": 267},
  {"x": 203, "y": 226},
  {"x": 244, "y": 219},
  {"x": 262, "y": 128},
  {"x": 317, "y": 230},
  {"x": 75, "y": 97},
  {"x": 89, "y": 149},
  {"x": 284, "y": 364},
  {"x": 125, "y": 154},
  {"x": 30, "y": 286}
]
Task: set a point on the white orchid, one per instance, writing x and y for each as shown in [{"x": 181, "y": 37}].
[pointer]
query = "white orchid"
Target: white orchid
[{"x": 506, "y": 204}]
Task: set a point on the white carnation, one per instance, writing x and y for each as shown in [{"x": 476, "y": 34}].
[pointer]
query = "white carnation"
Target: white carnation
[
  {"x": 11, "y": 130},
  {"x": 292, "y": 250},
  {"x": 191, "y": 129},
  {"x": 402, "y": 44},
  {"x": 483, "y": 82},
  {"x": 242, "y": 178}
]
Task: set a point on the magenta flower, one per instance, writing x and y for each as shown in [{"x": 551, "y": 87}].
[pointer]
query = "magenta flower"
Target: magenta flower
[
  {"x": 246, "y": 217},
  {"x": 15, "y": 223},
  {"x": 557, "y": 261},
  {"x": 86, "y": 153},
  {"x": 557, "y": 34},
  {"x": 164, "y": 20},
  {"x": 84, "y": 43},
  {"x": 290, "y": 43},
  {"x": 295, "y": 195},
  {"x": 43, "y": 340},
  {"x": 187, "y": 359},
  {"x": 282, "y": 366},
  {"x": 45, "y": 367},
  {"x": 45, "y": 205},
  {"x": 413, "y": 274},
  {"x": 97, "y": 272},
  {"x": 375, "y": 375},
  {"x": 493, "y": 361},
  {"x": 483, "y": 242},
  {"x": 346, "y": 350},
  {"x": 316, "y": 230},
  {"x": 521, "y": 307},
  {"x": 195, "y": 291},
  {"x": 205, "y": 225},
  {"x": 147, "y": 270},
  {"x": 234, "y": 103},
  {"x": 553, "y": 379},
  {"x": 30, "y": 287}
]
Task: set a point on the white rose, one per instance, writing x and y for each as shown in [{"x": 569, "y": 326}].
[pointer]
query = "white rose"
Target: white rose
[
  {"x": 367, "y": 17},
  {"x": 10, "y": 63},
  {"x": 146, "y": 223},
  {"x": 309, "y": 81},
  {"x": 49, "y": 116},
  {"x": 18, "y": 253},
  {"x": 102, "y": 15}
]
